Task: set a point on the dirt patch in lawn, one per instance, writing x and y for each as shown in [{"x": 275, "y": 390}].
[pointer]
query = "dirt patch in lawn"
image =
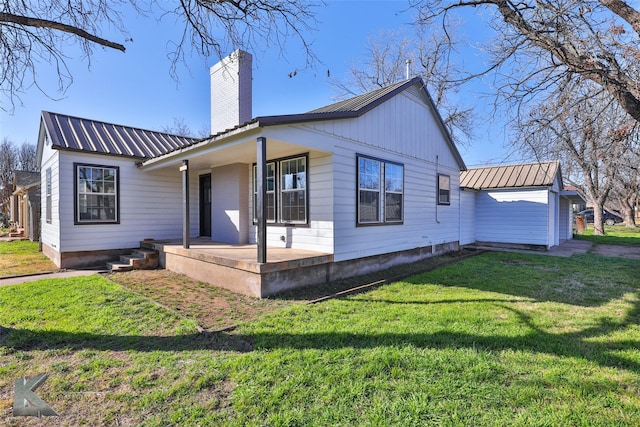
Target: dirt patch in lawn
[
  {"x": 621, "y": 251},
  {"x": 216, "y": 309},
  {"x": 211, "y": 307}
]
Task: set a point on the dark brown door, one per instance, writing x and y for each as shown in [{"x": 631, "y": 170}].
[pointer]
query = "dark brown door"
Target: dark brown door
[{"x": 205, "y": 205}]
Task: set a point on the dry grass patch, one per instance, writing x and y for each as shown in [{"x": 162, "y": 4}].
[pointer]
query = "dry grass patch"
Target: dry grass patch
[
  {"x": 212, "y": 308},
  {"x": 22, "y": 257}
]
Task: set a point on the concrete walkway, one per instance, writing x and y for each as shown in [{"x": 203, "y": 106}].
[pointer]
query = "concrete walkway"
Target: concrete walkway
[
  {"x": 565, "y": 249},
  {"x": 50, "y": 275}
]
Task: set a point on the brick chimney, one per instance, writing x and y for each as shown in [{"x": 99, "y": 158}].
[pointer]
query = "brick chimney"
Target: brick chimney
[{"x": 231, "y": 96}]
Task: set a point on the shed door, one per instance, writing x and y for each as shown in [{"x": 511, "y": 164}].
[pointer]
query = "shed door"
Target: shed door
[{"x": 205, "y": 205}]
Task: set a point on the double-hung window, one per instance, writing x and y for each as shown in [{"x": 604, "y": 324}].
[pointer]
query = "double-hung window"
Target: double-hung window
[
  {"x": 286, "y": 191},
  {"x": 271, "y": 192},
  {"x": 444, "y": 190},
  {"x": 97, "y": 195},
  {"x": 380, "y": 191}
]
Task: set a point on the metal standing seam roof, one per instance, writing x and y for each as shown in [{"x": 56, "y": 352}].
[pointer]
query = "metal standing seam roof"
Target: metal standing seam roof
[
  {"x": 510, "y": 176},
  {"x": 74, "y": 133},
  {"x": 359, "y": 102}
]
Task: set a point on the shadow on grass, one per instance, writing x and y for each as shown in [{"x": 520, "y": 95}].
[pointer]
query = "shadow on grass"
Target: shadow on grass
[
  {"x": 370, "y": 281},
  {"x": 28, "y": 340},
  {"x": 580, "y": 344},
  {"x": 583, "y": 280}
]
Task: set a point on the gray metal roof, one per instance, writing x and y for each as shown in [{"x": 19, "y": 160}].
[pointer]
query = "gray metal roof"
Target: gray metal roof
[
  {"x": 510, "y": 176},
  {"x": 364, "y": 101},
  {"x": 74, "y": 133}
]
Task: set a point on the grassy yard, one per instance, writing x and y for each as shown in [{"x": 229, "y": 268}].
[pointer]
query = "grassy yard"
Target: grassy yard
[
  {"x": 22, "y": 257},
  {"x": 497, "y": 339},
  {"x": 614, "y": 235}
]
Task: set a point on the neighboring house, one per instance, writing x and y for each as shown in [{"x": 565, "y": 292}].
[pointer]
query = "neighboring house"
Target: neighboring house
[
  {"x": 363, "y": 178},
  {"x": 24, "y": 204},
  {"x": 520, "y": 205}
]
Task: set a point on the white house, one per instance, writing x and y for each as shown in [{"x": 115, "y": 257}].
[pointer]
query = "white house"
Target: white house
[
  {"x": 365, "y": 183},
  {"x": 523, "y": 205}
]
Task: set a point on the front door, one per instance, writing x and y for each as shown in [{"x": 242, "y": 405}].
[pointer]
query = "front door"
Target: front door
[{"x": 205, "y": 205}]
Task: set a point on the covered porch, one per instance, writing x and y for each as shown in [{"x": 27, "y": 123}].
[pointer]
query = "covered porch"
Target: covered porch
[{"x": 235, "y": 266}]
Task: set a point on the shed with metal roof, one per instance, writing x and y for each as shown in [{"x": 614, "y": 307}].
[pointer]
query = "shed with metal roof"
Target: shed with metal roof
[{"x": 515, "y": 205}]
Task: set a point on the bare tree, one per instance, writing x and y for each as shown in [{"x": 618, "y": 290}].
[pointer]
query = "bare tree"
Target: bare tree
[
  {"x": 538, "y": 44},
  {"x": 26, "y": 158},
  {"x": 8, "y": 161},
  {"x": 33, "y": 33},
  {"x": 626, "y": 189},
  {"x": 584, "y": 127},
  {"x": 181, "y": 128},
  {"x": 428, "y": 55}
]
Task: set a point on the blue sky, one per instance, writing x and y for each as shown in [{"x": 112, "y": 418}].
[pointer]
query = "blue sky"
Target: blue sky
[{"x": 135, "y": 88}]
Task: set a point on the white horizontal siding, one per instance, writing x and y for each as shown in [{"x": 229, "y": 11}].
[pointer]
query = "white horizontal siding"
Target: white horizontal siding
[
  {"x": 229, "y": 210},
  {"x": 50, "y": 232},
  {"x": 512, "y": 216},
  {"x": 150, "y": 206},
  {"x": 566, "y": 219},
  {"x": 425, "y": 222},
  {"x": 467, "y": 217},
  {"x": 403, "y": 125}
]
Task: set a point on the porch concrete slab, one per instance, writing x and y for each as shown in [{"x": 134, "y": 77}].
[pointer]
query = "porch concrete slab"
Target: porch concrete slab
[
  {"x": 566, "y": 248},
  {"x": 241, "y": 256},
  {"x": 235, "y": 267}
]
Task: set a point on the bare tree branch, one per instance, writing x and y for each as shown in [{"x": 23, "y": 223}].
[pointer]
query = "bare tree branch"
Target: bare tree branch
[
  {"x": 32, "y": 33},
  {"x": 45, "y": 23},
  {"x": 579, "y": 37}
]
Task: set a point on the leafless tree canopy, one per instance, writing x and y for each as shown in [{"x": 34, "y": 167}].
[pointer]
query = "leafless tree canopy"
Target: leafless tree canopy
[
  {"x": 429, "y": 54},
  {"x": 586, "y": 128},
  {"x": 34, "y": 33},
  {"x": 180, "y": 127},
  {"x": 537, "y": 44}
]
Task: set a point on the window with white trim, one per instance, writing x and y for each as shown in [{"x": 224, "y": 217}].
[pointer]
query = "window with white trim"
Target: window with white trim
[
  {"x": 97, "y": 198},
  {"x": 287, "y": 196},
  {"x": 444, "y": 190},
  {"x": 380, "y": 191}
]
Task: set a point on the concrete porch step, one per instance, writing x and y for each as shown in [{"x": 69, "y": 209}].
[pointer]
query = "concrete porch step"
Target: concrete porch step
[
  {"x": 118, "y": 266},
  {"x": 140, "y": 259}
]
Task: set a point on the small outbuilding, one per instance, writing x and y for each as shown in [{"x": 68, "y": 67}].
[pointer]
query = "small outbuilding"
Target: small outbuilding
[{"x": 517, "y": 205}]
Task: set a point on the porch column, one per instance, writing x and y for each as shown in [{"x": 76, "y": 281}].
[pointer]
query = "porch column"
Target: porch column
[
  {"x": 185, "y": 203},
  {"x": 261, "y": 192}
]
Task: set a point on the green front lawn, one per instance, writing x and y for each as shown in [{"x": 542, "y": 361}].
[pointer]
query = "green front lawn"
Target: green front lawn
[
  {"x": 497, "y": 339},
  {"x": 614, "y": 235}
]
